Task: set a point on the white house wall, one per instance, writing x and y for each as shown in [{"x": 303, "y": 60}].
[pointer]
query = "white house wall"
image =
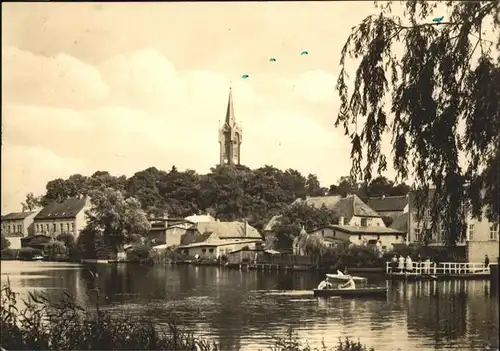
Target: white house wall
[
  {"x": 371, "y": 222},
  {"x": 359, "y": 239},
  {"x": 214, "y": 252}
]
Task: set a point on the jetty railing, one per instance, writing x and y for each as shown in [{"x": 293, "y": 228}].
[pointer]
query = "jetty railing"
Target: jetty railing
[{"x": 441, "y": 268}]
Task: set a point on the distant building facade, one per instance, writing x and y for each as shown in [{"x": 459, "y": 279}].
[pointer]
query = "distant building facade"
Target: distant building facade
[
  {"x": 17, "y": 225},
  {"x": 230, "y": 137},
  {"x": 62, "y": 217}
]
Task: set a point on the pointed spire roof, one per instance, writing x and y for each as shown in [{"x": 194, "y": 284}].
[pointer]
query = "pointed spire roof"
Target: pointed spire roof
[{"x": 230, "y": 120}]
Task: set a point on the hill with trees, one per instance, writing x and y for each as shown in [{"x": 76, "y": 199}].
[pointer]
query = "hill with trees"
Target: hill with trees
[{"x": 226, "y": 192}]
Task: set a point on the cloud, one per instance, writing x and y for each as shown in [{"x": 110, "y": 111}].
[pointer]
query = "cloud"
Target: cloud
[
  {"x": 146, "y": 79},
  {"x": 137, "y": 110},
  {"x": 60, "y": 81},
  {"x": 28, "y": 168}
]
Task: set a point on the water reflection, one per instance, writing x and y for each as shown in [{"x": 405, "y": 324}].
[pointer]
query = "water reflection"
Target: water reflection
[{"x": 241, "y": 310}]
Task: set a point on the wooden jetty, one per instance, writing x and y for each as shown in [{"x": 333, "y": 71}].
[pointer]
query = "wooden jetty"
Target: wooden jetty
[{"x": 440, "y": 271}]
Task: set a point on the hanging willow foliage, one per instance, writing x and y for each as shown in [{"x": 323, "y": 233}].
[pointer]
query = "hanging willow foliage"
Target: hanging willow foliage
[{"x": 443, "y": 102}]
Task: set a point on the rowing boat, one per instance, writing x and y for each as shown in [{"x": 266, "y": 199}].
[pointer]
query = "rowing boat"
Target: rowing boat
[
  {"x": 345, "y": 278},
  {"x": 362, "y": 292}
]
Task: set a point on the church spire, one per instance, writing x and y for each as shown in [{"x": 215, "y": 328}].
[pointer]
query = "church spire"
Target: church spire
[
  {"x": 230, "y": 136},
  {"x": 230, "y": 120}
]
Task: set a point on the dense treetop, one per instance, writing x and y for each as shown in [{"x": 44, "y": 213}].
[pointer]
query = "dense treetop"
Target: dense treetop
[
  {"x": 227, "y": 193},
  {"x": 435, "y": 89}
]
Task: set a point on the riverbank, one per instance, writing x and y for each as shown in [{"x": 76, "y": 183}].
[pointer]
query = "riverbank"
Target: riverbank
[{"x": 70, "y": 326}]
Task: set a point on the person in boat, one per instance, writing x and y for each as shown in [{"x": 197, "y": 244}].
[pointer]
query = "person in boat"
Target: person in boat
[
  {"x": 339, "y": 273},
  {"x": 325, "y": 284},
  {"x": 350, "y": 285}
]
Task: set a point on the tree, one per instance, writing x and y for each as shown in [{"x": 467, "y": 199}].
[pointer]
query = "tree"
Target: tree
[
  {"x": 32, "y": 202},
  {"x": 115, "y": 218},
  {"x": 347, "y": 186},
  {"x": 69, "y": 242},
  {"x": 297, "y": 216},
  {"x": 421, "y": 96},
  {"x": 5, "y": 243},
  {"x": 55, "y": 249}
]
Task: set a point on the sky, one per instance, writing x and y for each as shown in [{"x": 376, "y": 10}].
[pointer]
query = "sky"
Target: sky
[{"x": 121, "y": 87}]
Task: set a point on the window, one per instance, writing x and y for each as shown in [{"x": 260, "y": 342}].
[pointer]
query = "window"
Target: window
[
  {"x": 471, "y": 232},
  {"x": 211, "y": 250},
  {"x": 62, "y": 227},
  {"x": 72, "y": 227},
  {"x": 494, "y": 232},
  {"x": 48, "y": 228},
  {"x": 8, "y": 229},
  {"x": 323, "y": 232},
  {"x": 417, "y": 234},
  {"x": 67, "y": 227},
  {"x": 364, "y": 222},
  {"x": 203, "y": 250},
  {"x": 37, "y": 228},
  {"x": 54, "y": 226},
  {"x": 359, "y": 237}
]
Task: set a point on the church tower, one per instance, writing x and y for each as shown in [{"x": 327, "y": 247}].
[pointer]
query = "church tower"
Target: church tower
[{"x": 230, "y": 137}]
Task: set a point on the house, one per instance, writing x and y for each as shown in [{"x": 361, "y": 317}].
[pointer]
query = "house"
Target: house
[
  {"x": 327, "y": 241},
  {"x": 167, "y": 231},
  {"x": 481, "y": 236},
  {"x": 221, "y": 237},
  {"x": 62, "y": 217},
  {"x": 482, "y": 239},
  {"x": 332, "y": 235},
  {"x": 17, "y": 225},
  {"x": 214, "y": 248},
  {"x": 349, "y": 210},
  {"x": 36, "y": 242},
  {"x": 247, "y": 255}
]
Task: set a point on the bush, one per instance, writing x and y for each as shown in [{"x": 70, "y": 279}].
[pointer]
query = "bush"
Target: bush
[
  {"x": 55, "y": 250},
  {"x": 27, "y": 253},
  {"x": 5, "y": 244},
  {"x": 9, "y": 254},
  {"x": 353, "y": 256},
  {"x": 292, "y": 343},
  {"x": 139, "y": 253},
  {"x": 72, "y": 251},
  {"x": 168, "y": 255}
]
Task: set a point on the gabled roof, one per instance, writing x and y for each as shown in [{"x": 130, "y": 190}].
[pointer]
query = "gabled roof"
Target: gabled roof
[
  {"x": 218, "y": 242},
  {"x": 66, "y": 209},
  {"x": 400, "y": 222},
  {"x": 388, "y": 203},
  {"x": 366, "y": 230},
  {"x": 200, "y": 218},
  {"x": 17, "y": 215},
  {"x": 346, "y": 207},
  {"x": 228, "y": 230}
]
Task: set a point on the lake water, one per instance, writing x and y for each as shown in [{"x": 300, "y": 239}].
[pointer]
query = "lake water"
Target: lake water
[{"x": 242, "y": 310}]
